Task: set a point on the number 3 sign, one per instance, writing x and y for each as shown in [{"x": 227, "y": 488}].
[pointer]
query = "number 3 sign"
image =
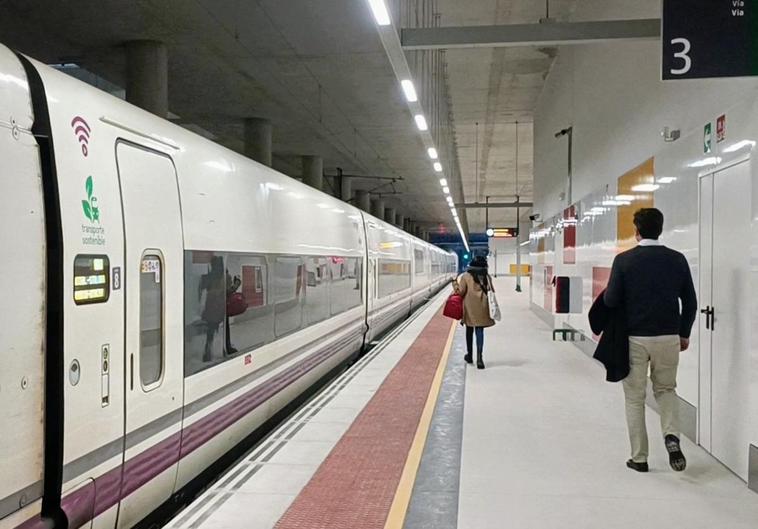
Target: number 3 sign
[{"x": 709, "y": 38}]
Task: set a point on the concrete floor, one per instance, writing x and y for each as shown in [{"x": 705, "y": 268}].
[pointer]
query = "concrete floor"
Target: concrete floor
[{"x": 545, "y": 442}]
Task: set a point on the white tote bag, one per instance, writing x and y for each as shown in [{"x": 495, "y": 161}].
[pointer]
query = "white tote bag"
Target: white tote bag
[{"x": 492, "y": 301}]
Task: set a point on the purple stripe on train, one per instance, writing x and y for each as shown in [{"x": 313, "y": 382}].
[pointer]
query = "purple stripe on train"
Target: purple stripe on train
[{"x": 108, "y": 489}]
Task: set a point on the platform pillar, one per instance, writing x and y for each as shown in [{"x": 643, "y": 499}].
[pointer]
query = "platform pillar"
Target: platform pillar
[
  {"x": 389, "y": 215},
  {"x": 258, "y": 137},
  {"x": 313, "y": 171},
  {"x": 147, "y": 76},
  {"x": 377, "y": 207},
  {"x": 362, "y": 200}
]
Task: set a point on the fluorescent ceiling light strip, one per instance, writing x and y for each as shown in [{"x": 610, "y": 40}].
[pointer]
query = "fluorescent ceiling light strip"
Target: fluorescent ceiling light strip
[
  {"x": 381, "y": 14},
  {"x": 421, "y": 122},
  {"x": 409, "y": 90}
]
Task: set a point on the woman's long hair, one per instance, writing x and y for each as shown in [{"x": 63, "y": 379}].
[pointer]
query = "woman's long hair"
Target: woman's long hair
[{"x": 478, "y": 271}]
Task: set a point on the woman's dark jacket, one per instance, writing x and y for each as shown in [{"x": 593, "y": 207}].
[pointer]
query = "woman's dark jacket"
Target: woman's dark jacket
[{"x": 613, "y": 349}]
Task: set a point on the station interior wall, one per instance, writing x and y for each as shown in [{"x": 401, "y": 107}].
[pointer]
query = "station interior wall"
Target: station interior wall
[{"x": 612, "y": 96}]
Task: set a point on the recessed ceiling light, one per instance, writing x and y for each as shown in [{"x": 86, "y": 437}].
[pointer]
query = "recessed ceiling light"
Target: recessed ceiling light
[
  {"x": 446, "y": 190},
  {"x": 381, "y": 14},
  {"x": 443, "y": 182},
  {"x": 409, "y": 90},
  {"x": 432, "y": 153},
  {"x": 438, "y": 167},
  {"x": 421, "y": 122}
]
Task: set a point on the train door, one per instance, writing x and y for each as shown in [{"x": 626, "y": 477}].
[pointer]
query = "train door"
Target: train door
[
  {"x": 153, "y": 279},
  {"x": 724, "y": 325}
]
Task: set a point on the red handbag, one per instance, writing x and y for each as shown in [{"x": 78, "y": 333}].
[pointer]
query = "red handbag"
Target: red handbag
[
  {"x": 454, "y": 307},
  {"x": 236, "y": 304}
]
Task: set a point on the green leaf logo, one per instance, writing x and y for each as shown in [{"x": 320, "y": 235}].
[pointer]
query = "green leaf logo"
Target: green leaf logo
[
  {"x": 87, "y": 210},
  {"x": 89, "y": 206}
]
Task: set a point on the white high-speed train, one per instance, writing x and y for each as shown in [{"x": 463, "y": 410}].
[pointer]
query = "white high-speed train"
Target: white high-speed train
[{"x": 162, "y": 298}]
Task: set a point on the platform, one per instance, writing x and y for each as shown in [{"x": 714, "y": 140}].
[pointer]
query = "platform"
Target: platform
[{"x": 410, "y": 437}]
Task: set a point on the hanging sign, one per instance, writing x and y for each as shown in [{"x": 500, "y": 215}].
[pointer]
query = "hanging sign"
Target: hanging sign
[
  {"x": 707, "y": 138},
  {"x": 709, "y": 38}
]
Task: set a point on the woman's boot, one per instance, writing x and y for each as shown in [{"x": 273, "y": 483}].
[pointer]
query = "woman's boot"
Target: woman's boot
[
  {"x": 468, "y": 358},
  {"x": 479, "y": 361}
]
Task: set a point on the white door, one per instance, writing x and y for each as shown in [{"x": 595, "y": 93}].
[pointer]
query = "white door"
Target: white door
[
  {"x": 725, "y": 326},
  {"x": 153, "y": 281}
]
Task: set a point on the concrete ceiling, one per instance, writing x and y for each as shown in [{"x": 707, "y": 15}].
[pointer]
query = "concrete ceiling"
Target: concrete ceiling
[
  {"x": 492, "y": 89},
  {"x": 318, "y": 71}
]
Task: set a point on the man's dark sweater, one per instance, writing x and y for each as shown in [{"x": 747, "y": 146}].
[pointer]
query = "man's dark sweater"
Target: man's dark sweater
[{"x": 648, "y": 282}]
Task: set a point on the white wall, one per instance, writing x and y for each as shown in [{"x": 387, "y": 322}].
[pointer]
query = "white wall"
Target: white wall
[{"x": 613, "y": 97}]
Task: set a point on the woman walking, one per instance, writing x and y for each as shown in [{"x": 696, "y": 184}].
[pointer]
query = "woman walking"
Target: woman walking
[{"x": 473, "y": 286}]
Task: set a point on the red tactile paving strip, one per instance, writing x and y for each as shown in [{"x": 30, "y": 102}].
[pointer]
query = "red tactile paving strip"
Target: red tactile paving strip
[{"x": 354, "y": 487}]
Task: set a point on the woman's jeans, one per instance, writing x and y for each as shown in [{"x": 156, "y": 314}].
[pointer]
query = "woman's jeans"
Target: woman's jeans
[{"x": 470, "y": 339}]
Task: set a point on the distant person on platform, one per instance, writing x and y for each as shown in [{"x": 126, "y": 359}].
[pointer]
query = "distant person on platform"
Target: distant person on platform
[
  {"x": 648, "y": 282},
  {"x": 473, "y": 286}
]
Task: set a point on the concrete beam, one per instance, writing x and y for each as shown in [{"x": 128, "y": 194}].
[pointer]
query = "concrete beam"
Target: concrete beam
[
  {"x": 545, "y": 34},
  {"x": 494, "y": 205}
]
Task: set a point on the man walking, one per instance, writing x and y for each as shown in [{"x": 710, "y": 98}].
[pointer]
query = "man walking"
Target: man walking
[{"x": 648, "y": 281}]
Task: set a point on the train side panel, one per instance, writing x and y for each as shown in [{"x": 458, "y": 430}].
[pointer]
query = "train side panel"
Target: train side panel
[{"x": 23, "y": 284}]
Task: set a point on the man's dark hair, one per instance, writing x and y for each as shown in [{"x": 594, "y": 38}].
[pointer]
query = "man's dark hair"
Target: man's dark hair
[{"x": 649, "y": 222}]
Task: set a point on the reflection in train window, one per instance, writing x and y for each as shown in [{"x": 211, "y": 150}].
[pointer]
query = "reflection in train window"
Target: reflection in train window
[
  {"x": 394, "y": 276},
  {"x": 316, "y": 290},
  {"x": 230, "y": 307},
  {"x": 151, "y": 319},
  {"x": 289, "y": 287},
  {"x": 347, "y": 275},
  {"x": 418, "y": 258},
  {"x": 250, "y": 311}
]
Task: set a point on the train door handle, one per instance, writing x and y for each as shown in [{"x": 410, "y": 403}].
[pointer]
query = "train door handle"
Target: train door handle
[{"x": 708, "y": 311}]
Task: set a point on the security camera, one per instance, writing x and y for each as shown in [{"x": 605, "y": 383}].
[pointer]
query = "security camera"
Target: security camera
[
  {"x": 534, "y": 217},
  {"x": 670, "y": 135}
]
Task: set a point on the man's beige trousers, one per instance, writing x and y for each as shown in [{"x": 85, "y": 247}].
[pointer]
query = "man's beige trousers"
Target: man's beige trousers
[{"x": 661, "y": 353}]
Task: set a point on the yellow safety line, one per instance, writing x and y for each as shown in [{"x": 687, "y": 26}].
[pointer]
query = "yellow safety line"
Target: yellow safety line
[{"x": 399, "y": 508}]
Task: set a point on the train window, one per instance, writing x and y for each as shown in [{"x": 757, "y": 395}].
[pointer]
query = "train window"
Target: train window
[
  {"x": 347, "y": 276},
  {"x": 151, "y": 319},
  {"x": 250, "y": 308},
  {"x": 418, "y": 258},
  {"x": 394, "y": 276},
  {"x": 204, "y": 310},
  {"x": 91, "y": 279},
  {"x": 316, "y": 290},
  {"x": 289, "y": 286}
]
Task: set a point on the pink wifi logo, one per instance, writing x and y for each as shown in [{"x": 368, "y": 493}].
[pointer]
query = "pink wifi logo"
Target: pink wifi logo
[{"x": 82, "y": 131}]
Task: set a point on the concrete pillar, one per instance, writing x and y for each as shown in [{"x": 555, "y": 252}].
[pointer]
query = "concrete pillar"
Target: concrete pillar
[
  {"x": 362, "y": 200},
  {"x": 407, "y": 224},
  {"x": 389, "y": 215},
  {"x": 417, "y": 231},
  {"x": 346, "y": 189},
  {"x": 258, "y": 133},
  {"x": 400, "y": 221},
  {"x": 313, "y": 171},
  {"x": 147, "y": 76},
  {"x": 377, "y": 207}
]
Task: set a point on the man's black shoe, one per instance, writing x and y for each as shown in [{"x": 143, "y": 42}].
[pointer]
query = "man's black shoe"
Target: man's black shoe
[
  {"x": 676, "y": 457},
  {"x": 639, "y": 467}
]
